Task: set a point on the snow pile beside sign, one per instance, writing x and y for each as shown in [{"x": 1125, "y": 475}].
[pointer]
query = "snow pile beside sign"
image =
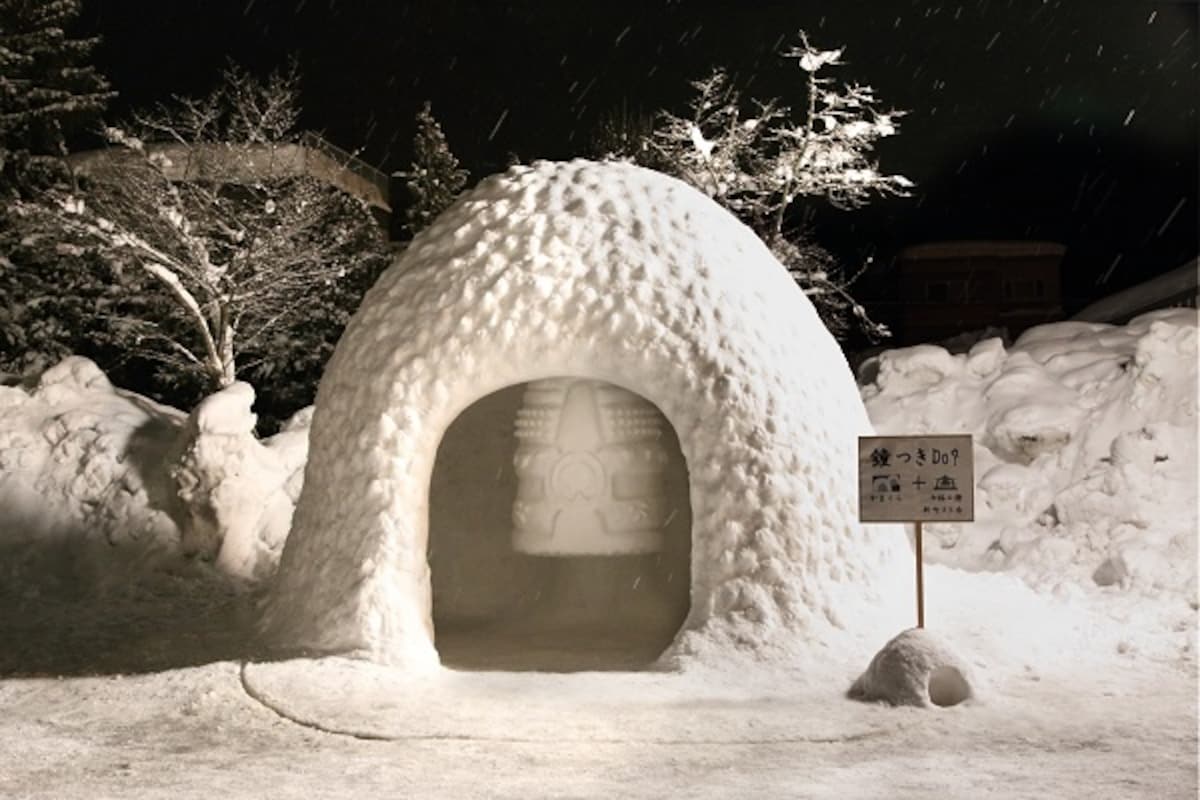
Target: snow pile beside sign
[
  {"x": 916, "y": 668},
  {"x": 1085, "y": 449}
]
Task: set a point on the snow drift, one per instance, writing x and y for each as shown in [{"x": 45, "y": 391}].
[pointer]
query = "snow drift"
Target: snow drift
[
  {"x": 89, "y": 471},
  {"x": 1085, "y": 449}
]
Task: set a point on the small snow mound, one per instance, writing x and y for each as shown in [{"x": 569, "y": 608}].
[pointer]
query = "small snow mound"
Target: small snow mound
[
  {"x": 227, "y": 412},
  {"x": 80, "y": 465},
  {"x": 234, "y": 489},
  {"x": 916, "y": 668},
  {"x": 69, "y": 377}
]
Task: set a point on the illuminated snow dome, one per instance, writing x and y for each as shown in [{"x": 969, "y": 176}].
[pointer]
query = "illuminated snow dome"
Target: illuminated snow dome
[{"x": 586, "y": 421}]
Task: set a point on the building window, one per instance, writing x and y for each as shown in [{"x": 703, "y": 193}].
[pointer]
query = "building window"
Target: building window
[{"x": 1025, "y": 289}]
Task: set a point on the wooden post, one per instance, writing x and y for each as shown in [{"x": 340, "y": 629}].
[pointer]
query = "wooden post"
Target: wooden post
[{"x": 920, "y": 579}]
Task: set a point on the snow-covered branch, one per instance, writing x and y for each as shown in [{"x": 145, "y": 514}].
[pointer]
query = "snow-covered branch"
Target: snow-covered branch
[
  {"x": 215, "y": 268},
  {"x": 761, "y": 160}
]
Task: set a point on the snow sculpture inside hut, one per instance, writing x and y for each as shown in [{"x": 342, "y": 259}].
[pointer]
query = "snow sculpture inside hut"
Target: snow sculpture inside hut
[{"x": 586, "y": 413}]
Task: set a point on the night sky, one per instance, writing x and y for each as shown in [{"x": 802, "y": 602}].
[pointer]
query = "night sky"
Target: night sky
[{"x": 1067, "y": 120}]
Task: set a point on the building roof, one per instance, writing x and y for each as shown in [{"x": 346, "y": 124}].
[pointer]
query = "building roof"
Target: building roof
[
  {"x": 982, "y": 249},
  {"x": 1176, "y": 287}
]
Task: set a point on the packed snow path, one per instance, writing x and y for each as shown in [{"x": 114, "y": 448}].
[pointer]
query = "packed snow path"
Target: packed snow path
[
  {"x": 119, "y": 697},
  {"x": 193, "y": 734}
]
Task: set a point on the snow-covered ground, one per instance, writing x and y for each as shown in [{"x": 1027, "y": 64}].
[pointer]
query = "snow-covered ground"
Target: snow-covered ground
[{"x": 130, "y": 665}]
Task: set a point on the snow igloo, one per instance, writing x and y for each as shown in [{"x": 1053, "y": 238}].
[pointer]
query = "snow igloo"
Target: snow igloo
[{"x": 543, "y": 292}]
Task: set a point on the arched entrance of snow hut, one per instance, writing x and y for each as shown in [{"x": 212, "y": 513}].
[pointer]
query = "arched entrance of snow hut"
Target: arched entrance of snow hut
[{"x": 567, "y": 602}]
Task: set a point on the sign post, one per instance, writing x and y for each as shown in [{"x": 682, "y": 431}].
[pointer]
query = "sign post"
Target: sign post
[
  {"x": 920, "y": 577},
  {"x": 916, "y": 479}
]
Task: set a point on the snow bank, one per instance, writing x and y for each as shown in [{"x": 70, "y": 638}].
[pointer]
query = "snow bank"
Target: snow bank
[
  {"x": 79, "y": 457},
  {"x": 91, "y": 471},
  {"x": 1085, "y": 449}
]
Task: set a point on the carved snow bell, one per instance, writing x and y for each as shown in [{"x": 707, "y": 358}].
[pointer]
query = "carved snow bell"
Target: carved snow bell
[{"x": 591, "y": 468}]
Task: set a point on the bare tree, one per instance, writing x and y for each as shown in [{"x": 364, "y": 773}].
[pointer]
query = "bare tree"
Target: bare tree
[
  {"x": 237, "y": 266},
  {"x": 760, "y": 160}
]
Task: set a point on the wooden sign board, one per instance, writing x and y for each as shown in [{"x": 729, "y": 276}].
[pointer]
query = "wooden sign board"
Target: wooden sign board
[{"x": 916, "y": 478}]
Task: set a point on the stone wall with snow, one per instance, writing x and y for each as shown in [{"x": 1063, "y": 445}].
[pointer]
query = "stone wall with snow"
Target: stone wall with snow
[{"x": 616, "y": 273}]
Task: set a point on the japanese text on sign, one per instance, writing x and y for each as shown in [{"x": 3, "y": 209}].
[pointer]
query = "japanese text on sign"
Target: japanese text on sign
[{"x": 916, "y": 478}]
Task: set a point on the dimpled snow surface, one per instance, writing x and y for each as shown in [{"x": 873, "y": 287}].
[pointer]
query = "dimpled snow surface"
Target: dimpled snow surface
[{"x": 616, "y": 273}]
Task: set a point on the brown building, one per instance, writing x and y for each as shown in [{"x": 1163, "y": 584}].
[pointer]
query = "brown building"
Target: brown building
[{"x": 949, "y": 288}]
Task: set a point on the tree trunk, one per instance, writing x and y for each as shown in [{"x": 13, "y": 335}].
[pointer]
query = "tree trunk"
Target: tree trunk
[
  {"x": 228, "y": 368},
  {"x": 221, "y": 366}
]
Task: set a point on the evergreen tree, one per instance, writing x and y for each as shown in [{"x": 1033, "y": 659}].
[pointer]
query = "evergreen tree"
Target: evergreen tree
[
  {"x": 47, "y": 88},
  {"x": 435, "y": 179}
]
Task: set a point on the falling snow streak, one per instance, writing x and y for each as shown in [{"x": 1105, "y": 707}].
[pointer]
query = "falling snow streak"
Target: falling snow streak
[
  {"x": 496, "y": 127},
  {"x": 1171, "y": 217},
  {"x": 1108, "y": 272},
  {"x": 585, "y": 91},
  {"x": 1068, "y": 93}
]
